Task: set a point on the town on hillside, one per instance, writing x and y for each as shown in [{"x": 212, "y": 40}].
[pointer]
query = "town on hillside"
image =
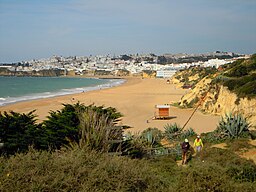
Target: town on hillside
[{"x": 147, "y": 65}]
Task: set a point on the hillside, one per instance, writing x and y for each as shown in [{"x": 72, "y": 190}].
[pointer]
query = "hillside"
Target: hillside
[
  {"x": 231, "y": 88},
  {"x": 80, "y": 169}
]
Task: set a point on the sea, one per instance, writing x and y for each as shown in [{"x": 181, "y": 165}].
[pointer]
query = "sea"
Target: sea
[{"x": 16, "y": 89}]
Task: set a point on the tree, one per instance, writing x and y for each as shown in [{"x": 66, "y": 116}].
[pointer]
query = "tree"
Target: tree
[
  {"x": 62, "y": 127},
  {"x": 18, "y": 131}
]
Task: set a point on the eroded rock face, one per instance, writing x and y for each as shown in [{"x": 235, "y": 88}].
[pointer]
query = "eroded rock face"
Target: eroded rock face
[
  {"x": 44, "y": 73},
  {"x": 217, "y": 99}
]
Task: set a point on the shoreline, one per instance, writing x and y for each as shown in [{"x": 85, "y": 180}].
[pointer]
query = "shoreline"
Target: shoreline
[
  {"x": 135, "y": 99},
  {"x": 109, "y": 82}
]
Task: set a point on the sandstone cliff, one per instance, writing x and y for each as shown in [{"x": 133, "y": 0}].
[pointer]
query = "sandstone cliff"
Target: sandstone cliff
[
  {"x": 231, "y": 88},
  {"x": 42, "y": 73},
  {"x": 217, "y": 99}
]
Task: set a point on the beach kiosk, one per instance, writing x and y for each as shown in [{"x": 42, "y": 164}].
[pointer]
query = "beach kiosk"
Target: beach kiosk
[{"x": 162, "y": 111}]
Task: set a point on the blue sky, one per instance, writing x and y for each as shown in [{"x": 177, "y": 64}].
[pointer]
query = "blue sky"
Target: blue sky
[{"x": 33, "y": 29}]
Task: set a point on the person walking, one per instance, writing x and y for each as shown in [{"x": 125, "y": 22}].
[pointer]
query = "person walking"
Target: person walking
[
  {"x": 185, "y": 147},
  {"x": 198, "y": 144}
]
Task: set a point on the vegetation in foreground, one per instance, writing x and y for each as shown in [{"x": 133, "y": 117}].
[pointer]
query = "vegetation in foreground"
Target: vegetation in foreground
[
  {"x": 71, "y": 152},
  {"x": 83, "y": 169}
]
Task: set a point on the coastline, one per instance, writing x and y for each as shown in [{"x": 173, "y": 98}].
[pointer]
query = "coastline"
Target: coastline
[
  {"x": 135, "y": 99},
  {"x": 60, "y": 91}
]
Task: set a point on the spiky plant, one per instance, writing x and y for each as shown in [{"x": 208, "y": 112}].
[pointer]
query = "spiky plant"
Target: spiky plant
[
  {"x": 187, "y": 133},
  {"x": 233, "y": 126},
  {"x": 152, "y": 136},
  {"x": 97, "y": 131},
  {"x": 172, "y": 131},
  {"x": 134, "y": 146}
]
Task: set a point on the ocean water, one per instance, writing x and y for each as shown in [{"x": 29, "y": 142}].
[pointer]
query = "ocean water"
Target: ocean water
[{"x": 15, "y": 89}]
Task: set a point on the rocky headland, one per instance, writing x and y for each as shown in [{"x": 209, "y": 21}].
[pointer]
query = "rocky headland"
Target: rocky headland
[{"x": 229, "y": 89}]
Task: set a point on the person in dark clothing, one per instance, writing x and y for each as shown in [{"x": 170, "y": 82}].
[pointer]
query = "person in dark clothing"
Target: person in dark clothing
[{"x": 185, "y": 147}]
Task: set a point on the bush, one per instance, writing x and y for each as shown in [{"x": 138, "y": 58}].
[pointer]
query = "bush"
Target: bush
[
  {"x": 137, "y": 145},
  {"x": 78, "y": 170},
  {"x": 237, "y": 168},
  {"x": 152, "y": 136},
  {"x": 18, "y": 131},
  {"x": 97, "y": 131},
  {"x": 233, "y": 126},
  {"x": 174, "y": 132}
]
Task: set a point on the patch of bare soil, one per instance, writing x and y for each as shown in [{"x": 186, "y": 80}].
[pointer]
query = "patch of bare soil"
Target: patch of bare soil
[
  {"x": 166, "y": 143},
  {"x": 250, "y": 153},
  {"x": 220, "y": 145}
]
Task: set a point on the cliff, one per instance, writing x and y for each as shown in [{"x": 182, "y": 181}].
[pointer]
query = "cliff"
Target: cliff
[
  {"x": 231, "y": 89},
  {"x": 217, "y": 99},
  {"x": 42, "y": 73}
]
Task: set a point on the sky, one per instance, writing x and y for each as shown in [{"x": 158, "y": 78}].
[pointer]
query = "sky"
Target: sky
[{"x": 34, "y": 29}]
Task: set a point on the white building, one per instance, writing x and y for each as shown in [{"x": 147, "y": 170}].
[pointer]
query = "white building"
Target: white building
[{"x": 165, "y": 73}]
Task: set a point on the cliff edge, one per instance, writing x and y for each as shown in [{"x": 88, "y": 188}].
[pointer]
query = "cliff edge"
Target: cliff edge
[{"x": 231, "y": 88}]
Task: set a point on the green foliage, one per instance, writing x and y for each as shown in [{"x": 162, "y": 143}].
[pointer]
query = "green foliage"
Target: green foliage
[
  {"x": 235, "y": 167},
  {"x": 240, "y": 77},
  {"x": 77, "y": 170},
  {"x": 233, "y": 126},
  {"x": 139, "y": 145},
  {"x": 202, "y": 72},
  {"x": 98, "y": 131},
  {"x": 174, "y": 132},
  {"x": 188, "y": 133},
  {"x": 241, "y": 67},
  {"x": 213, "y": 137},
  {"x": 81, "y": 169},
  {"x": 203, "y": 178},
  {"x": 230, "y": 127},
  {"x": 152, "y": 136},
  {"x": 63, "y": 126},
  {"x": 172, "y": 129},
  {"x": 192, "y": 103},
  {"x": 18, "y": 131}
]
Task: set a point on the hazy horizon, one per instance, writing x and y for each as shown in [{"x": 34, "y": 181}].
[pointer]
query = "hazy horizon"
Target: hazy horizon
[{"x": 34, "y": 29}]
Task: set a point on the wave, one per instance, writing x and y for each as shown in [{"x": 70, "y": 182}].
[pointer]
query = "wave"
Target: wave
[{"x": 110, "y": 83}]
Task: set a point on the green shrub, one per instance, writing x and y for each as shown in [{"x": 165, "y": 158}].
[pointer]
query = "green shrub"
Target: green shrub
[
  {"x": 172, "y": 131},
  {"x": 233, "y": 126},
  {"x": 18, "y": 131},
  {"x": 202, "y": 177},
  {"x": 240, "y": 77},
  {"x": 97, "y": 131},
  {"x": 78, "y": 170},
  {"x": 152, "y": 136},
  {"x": 187, "y": 133}
]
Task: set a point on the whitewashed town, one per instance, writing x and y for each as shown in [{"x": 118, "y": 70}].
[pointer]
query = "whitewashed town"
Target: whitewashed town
[{"x": 124, "y": 65}]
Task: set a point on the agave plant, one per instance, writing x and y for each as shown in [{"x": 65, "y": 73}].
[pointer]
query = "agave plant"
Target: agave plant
[
  {"x": 152, "y": 136},
  {"x": 233, "y": 126},
  {"x": 172, "y": 131},
  {"x": 187, "y": 133}
]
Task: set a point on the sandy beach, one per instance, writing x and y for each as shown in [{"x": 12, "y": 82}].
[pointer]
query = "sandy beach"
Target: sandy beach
[{"x": 135, "y": 99}]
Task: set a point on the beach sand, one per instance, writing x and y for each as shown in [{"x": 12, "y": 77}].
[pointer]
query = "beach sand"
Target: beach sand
[{"x": 135, "y": 99}]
